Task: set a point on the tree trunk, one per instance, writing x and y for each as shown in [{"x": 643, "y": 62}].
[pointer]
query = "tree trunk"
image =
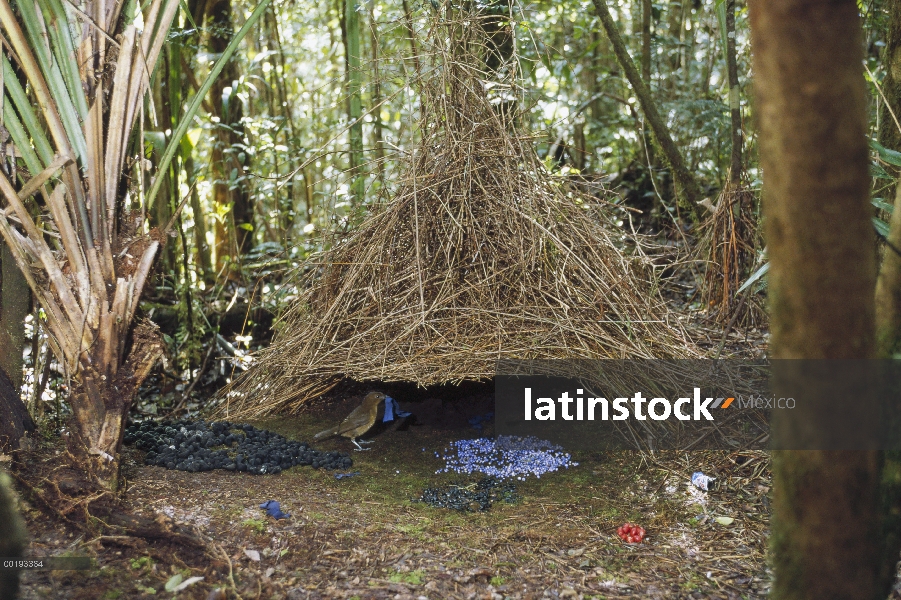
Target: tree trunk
[
  {"x": 377, "y": 99},
  {"x": 810, "y": 95},
  {"x": 687, "y": 188},
  {"x": 234, "y": 235},
  {"x": 888, "y": 290},
  {"x": 735, "y": 164},
  {"x": 15, "y": 300},
  {"x": 105, "y": 399},
  {"x": 12, "y": 537},
  {"x": 408, "y": 24},
  {"x": 354, "y": 101},
  {"x": 889, "y": 132},
  {"x": 201, "y": 247},
  {"x": 14, "y": 418},
  {"x": 888, "y": 286},
  {"x": 646, "y": 41}
]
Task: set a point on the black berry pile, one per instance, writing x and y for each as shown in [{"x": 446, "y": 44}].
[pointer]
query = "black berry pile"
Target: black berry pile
[
  {"x": 200, "y": 446},
  {"x": 475, "y": 497}
]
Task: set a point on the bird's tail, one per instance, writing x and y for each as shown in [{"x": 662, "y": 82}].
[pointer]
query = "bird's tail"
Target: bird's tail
[{"x": 326, "y": 433}]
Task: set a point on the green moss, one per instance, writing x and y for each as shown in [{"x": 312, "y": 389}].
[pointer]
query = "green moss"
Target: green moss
[
  {"x": 256, "y": 524},
  {"x": 141, "y": 562},
  {"x": 413, "y": 577}
]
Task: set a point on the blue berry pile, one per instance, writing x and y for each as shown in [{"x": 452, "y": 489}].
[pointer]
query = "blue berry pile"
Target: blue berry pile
[
  {"x": 199, "y": 446},
  {"x": 505, "y": 457}
]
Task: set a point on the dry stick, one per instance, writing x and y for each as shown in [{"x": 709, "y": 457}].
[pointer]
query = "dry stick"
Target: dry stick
[{"x": 732, "y": 321}]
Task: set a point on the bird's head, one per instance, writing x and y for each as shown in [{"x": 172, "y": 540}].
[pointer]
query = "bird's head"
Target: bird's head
[{"x": 373, "y": 398}]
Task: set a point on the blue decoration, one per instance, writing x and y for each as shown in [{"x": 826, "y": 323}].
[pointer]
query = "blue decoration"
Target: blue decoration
[
  {"x": 391, "y": 408},
  {"x": 274, "y": 509},
  {"x": 505, "y": 457}
]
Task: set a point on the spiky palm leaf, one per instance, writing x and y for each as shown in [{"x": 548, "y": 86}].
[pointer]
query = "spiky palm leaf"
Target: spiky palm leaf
[
  {"x": 72, "y": 136},
  {"x": 88, "y": 68}
]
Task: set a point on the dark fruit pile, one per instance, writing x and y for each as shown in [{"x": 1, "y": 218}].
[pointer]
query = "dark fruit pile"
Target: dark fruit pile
[
  {"x": 470, "y": 498},
  {"x": 200, "y": 446}
]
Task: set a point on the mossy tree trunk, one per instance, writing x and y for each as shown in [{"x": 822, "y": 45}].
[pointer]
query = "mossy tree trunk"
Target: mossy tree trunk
[
  {"x": 811, "y": 104},
  {"x": 888, "y": 287},
  {"x": 888, "y": 299},
  {"x": 12, "y": 538}
]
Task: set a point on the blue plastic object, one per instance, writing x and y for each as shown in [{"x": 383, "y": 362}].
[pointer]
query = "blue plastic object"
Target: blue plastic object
[
  {"x": 274, "y": 509},
  {"x": 343, "y": 475},
  {"x": 391, "y": 408}
]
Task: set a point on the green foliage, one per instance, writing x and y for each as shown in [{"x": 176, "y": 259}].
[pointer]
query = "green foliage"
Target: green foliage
[
  {"x": 413, "y": 577},
  {"x": 257, "y": 525}
]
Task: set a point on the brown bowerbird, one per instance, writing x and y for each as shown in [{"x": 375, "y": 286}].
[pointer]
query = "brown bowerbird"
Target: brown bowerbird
[{"x": 357, "y": 422}]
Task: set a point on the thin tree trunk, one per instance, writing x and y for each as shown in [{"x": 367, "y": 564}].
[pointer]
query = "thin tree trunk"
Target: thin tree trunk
[
  {"x": 810, "y": 95},
  {"x": 735, "y": 166},
  {"x": 234, "y": 235},
  {"x": 687, "y": 188},
  {"x": 411, "y": 33},
  {"x": 646, "y": 41},
  {"x": 201, "y": 247},
  {"x": 377, "y": 99},
  {"x": 675, "y": 20},
  {"x": 354, "y": 100}
]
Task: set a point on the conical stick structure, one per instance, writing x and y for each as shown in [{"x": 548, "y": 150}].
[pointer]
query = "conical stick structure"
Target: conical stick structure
[{"x": 480, "y": 255}]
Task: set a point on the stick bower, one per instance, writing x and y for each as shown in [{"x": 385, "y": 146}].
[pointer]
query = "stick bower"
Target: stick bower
[{"x": 481, "y": 255}]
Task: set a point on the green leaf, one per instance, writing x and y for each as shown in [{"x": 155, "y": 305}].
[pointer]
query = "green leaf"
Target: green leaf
[
  {"x": 754, "y": 277},
  {"x": 725, "y": 521},
  {"x": 883, "y": 205},
  {"x": 173, "y": 582},
  {"x": 878, "y": 172},
  {"x": 892, "y": 157},
  {"x": 881, "y": 227}
]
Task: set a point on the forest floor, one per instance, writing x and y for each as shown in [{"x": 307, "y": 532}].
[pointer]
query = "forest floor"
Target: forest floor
[{"x": 367, "y": 537}]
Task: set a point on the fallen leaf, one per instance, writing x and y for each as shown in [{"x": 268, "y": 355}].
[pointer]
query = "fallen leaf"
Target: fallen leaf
[
  {"x": 725, "y": 520},
  {"x": 173, "y": 582},
  {"x": 253, "y": 555}
]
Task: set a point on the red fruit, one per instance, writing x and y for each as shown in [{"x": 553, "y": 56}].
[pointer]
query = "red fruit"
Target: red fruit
[{"x": 631, "y": 533}]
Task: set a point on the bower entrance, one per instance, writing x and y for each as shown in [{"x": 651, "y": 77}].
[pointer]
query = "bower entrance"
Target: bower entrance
[{"x": 481, "y": 255}]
